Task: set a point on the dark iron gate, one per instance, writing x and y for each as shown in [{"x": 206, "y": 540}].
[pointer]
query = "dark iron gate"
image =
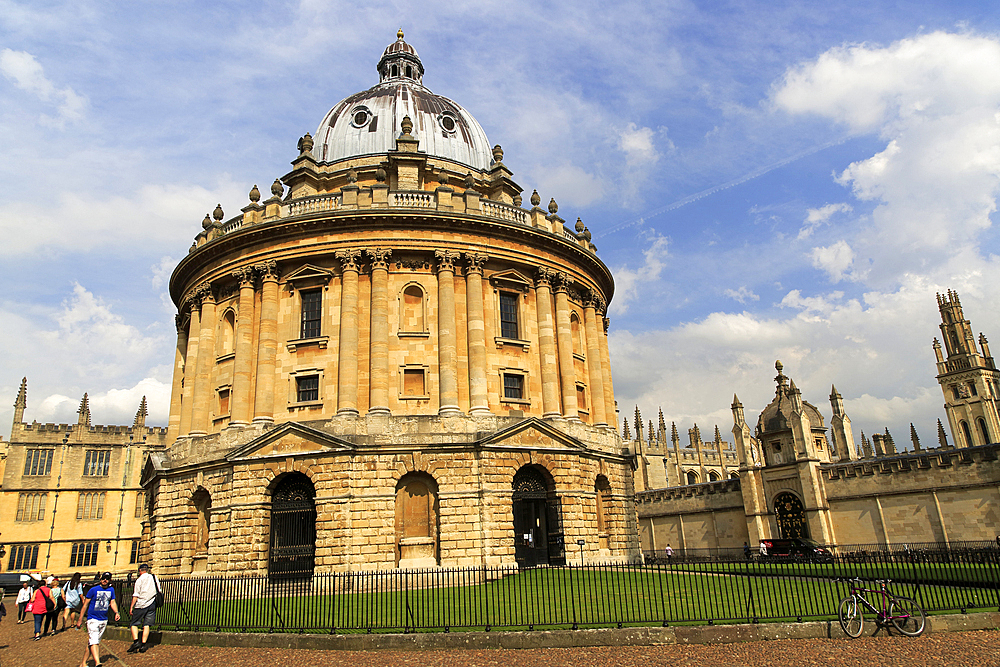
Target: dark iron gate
[
  {"x": 293, "y": 529},
  {"x": 537, "y": 521}
]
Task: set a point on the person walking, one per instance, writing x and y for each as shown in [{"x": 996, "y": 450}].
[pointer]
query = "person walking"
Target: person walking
[
  {"x": 96, "y": 603},
  {"x": 58, "y": 604},
  {"x": 40, "y": 606},
  {"x": 143, "y": 609},
  {"x": 73, "y": 593},
  {"x": 670, "y": 552},
  {"x": 23, "y": 598}
]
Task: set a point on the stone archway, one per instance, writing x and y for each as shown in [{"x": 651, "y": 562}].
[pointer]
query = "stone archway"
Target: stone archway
[
  {"x": 790, "y": 516},
  {"x": 537, "y": 519},
  {"x": 293, "y": 528}
]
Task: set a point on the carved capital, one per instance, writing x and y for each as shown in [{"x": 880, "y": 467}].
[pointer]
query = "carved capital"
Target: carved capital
[
  {"x": 379, "y": 257},
  {"x": 244, "y": 276},
  {"x": 607, "y": 323},
  {"x": 474, "y": 262},
  {"x": 350, "y": 260},
  {"x": 544, "y": 277},
  {"x": 446, "y": 260},
  {"x": 560, "y": 282},
  {"x": 267, "y": 270},
  {"x": 205, "y": 292},
  {"x": 590, "y": 298},
  {"x": 180, "y": 323}
]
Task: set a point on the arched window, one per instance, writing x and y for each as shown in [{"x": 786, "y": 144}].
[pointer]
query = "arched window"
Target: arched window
[
  {"x": 227, "y": 334},
  {"x": 734, "y": 475},
  {"x": 714, "y": 476},
  {"x": 411, "y": 309},
  {"x": 417, "y": 521},
  {"x": 966, "y": 433},
  {"x": 602, "y": 492},
  {"x": 692, "y": 477},
  {"x": 202, "y": 502},
  {"x": 790, "y": 516},
  {"x": 395, "y": 70},
  {"x": 409, "y": 72},
  {"x": 983, "y": 430},
  {"x": 574, "y": 322}
]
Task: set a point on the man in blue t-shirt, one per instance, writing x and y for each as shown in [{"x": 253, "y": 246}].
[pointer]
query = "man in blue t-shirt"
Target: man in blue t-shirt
[{"x": 98, "y": 601}]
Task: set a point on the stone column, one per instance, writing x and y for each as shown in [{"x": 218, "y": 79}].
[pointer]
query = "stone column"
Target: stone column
[
  {"x": 564, "y": 334},
  {"x": 267, "y": 343},
  {"x": 202, "y": 408},
  {"x": 479, "y": 401},
  {"x": 177, "y": 383},
  {"x": 447, "y": 338},
  {"x": 347, "y": 385},
  {"x": 378, "y": 383},
  {"x": 547, "y": 344},
  {"x": 240, "y": 399},
  {"x": 609, "y": 389},
  {"x": 595, "y": 364},
  {"x": 190, "y": 364}
]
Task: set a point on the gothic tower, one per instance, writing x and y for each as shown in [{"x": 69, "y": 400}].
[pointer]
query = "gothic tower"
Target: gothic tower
[{"x": 968, "y": 377}]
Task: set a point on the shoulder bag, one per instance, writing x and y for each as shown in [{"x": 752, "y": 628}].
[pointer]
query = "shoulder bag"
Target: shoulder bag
[{"x": 159, "y": 594}]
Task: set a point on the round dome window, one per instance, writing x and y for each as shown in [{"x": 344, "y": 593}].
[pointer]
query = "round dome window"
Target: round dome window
[
  {"x": 448, "y": 123},
  {"x": 360, "y": 116}
]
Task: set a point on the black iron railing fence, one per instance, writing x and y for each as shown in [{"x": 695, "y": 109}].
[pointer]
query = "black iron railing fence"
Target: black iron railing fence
[
  {"x": 861, "y": 552},
  {"x": 573, "y": 596}
]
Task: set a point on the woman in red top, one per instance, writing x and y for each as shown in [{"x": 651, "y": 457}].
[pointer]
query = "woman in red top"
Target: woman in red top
[{"x": 38, "y": 608}]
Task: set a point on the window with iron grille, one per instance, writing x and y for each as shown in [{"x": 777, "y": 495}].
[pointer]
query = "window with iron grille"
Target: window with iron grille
[
  {"x": 513, "y": 386},
  {"x": 97, "y": 462},
  {"x": 23, "y": 557},
  {"x": 31, "y": 506},
  {"x": 508, "y": 315},
  {"x": 312, "y": 311},
  {"x": 90, "y": 506},
  {"x": 134, "y": 556},
  {"x": 307, "y": 388},
  {"x": 37, "y": 462},
  {"x": 84, "y": 554}
]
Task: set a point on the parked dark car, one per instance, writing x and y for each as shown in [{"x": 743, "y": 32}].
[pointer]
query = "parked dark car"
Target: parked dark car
[{"x": 795, "y": 548}]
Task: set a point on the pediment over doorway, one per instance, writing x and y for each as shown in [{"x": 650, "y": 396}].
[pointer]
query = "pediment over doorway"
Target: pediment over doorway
[
  {"x": 290, "y": 439},
  {"x": 533, "y": 433}
]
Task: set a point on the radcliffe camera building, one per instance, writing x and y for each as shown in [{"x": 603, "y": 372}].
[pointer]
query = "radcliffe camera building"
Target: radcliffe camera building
[{"x": 390, "y": 363}]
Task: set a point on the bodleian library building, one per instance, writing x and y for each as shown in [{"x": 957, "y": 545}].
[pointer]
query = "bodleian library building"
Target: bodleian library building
[{"x": 393, "y": 361}]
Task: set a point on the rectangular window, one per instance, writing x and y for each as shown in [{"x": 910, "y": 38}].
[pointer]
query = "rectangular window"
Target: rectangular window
[
  {"x": 84, "y": 554},
  {"x": 508, "y": 315},
  {"x": 581, "y": 397},
  {"x": 307, "y": 388},
  {"x": 97, "y": 462},
  {"x": 223, "y": 401},
  {"x": 140, "y": 504},
  {"x": 413, "y": 382},
  {"x": 23, "y": 557},
  {"x": 31, "y": 506},
  {"x": 134, "y": 556},
  {"x": 312, "y": 307},
  {"x": 90, "y": 506},
  {"x": 513, "y": 386},
  {"x": 38, "y": 462}
]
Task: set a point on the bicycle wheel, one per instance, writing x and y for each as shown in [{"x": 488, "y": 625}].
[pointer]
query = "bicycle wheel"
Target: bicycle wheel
[
  {"x": 907, "y": 616},
  {"x": 851, "y": 618}
]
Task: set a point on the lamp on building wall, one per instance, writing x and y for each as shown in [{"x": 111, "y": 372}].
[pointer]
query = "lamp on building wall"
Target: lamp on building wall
[{"x": 108, "y": 546}]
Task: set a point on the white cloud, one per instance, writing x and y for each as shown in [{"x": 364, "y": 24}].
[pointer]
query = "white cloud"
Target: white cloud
[
  {"x": 569, "y": 184},
  {"x": 637, "y": 144},
  {"x": 817, "y": 216},
  {"x": 835, "y": 259},
  {"x": 628, "y": 281},
  {"x": 743, "y": 294},
  {"x": 28, "y": 75}
]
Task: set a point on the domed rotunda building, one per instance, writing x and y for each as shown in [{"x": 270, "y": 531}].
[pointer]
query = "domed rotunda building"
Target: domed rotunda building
[{"x": 390, "y": 363}]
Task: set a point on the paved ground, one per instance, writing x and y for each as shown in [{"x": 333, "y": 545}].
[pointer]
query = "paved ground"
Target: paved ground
[{"x": 971, "y": 649}]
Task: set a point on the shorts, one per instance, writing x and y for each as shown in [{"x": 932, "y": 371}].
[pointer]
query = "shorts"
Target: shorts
[
  {"x": 95, "y": 629},
  {"x": 143, "y": 616}
]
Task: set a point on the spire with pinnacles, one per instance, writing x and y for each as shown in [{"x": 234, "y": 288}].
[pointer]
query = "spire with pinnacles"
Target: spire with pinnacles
[
  {"x": 84, "y": 412},
  {"x": 140, "y": 416},
  {"x": 21, "y": 402},
  {"x": 914, "y": 439}
]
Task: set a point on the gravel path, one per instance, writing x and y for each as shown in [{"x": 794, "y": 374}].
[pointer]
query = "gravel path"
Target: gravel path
[{"x": 968, "y": 649}]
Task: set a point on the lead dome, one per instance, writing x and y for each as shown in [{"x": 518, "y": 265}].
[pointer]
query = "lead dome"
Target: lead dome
[{"x": 368, "y": 123}]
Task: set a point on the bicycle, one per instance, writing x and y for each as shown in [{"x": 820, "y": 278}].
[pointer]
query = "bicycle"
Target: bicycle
[{"x": 902, "y": 612}]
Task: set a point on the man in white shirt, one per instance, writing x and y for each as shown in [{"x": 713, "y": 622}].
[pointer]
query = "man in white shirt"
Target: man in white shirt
[{"x": 143, "y": 609}]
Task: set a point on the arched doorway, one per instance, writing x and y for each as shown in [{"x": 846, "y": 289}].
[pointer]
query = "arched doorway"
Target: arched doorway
[
  {"x": 537, "y": 522},
  {"x": 293, "y": 528},
  {"x": 791, "y": 516}
]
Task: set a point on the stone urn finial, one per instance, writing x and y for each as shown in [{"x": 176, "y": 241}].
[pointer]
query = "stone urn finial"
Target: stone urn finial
[
  {"x": 255, "y": 194},
  {"x": 517, "y": 201},
  {"x": 553, "y": 206},
  {"x": 407, "y": 125},
  {"x": 305, "y": 144},
  {"x": 497, "y": 154},
  {"x": 399, "y": 34},
  {"x": 207, "y": 222},
  {"x": 443, "y": 178},
  {"x": 277, "y": 188},
  {"x": 217, "y": 213},
  {"x": 579, "y": 225},
  {"x": 470, "y": 182},
  {"x": 380, "y": 175},
  {"x": 586, "y": 235},
  {"x": 352, "y": 176},
  {"x": 535, "y": 199}
]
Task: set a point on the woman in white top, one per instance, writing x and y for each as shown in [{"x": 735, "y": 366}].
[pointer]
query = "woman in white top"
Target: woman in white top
[
  {"x": 74, "y": 600},
  {"x": 23, "y": 598}
]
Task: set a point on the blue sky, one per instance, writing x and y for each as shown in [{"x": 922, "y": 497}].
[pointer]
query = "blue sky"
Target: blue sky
[{"x": 766, "y": 180}]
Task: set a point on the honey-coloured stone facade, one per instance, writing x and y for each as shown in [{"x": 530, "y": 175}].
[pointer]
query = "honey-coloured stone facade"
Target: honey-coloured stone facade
[{"x": 389, "y": 341}]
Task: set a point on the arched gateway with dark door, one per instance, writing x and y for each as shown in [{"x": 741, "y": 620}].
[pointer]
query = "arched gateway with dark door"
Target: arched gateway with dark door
[
  {"x": 538, "y": 538},
  {"x": 791, "y": 516},
  {"x": 293, "y": 528}
]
